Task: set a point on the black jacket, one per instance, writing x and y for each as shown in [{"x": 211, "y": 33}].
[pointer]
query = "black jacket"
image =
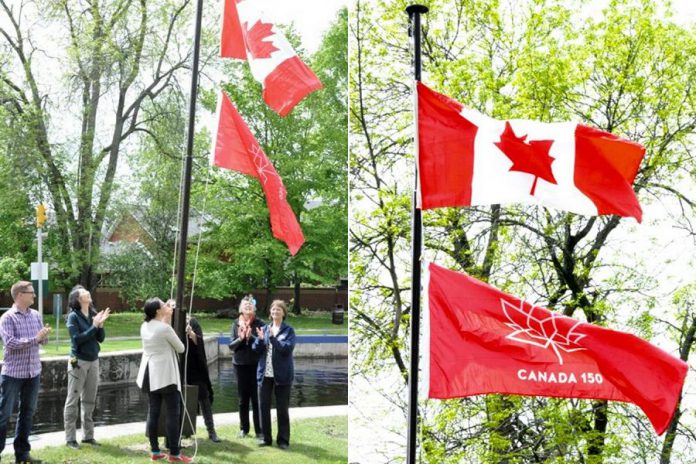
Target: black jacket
[
  {"x": 197, "y": 361},
  {"x": 243, "y": 354},
  {"x": 84, "y": 337}
]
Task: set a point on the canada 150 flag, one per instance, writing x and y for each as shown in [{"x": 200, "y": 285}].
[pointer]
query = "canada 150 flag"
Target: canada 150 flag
[
  {"x": 479, "y": 340},
  {"x": 247, "y": 35},
  {"x": 467, "y": 158},
  {"x": 236, "y": 148}
]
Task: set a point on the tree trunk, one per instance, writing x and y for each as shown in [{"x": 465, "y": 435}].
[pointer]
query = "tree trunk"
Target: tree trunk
[
  {"x": 596, "y": 443},
  {"x": 269, "y": 291},
  {"x": 87, "y": 278},
  {"x": 296, "y": 298},
  {"x": 684, "y": 350},
  {"x": 668, "y": 444}
]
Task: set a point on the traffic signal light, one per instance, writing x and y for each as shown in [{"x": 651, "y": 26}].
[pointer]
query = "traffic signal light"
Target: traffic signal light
[{"x": 40, "y": 215}]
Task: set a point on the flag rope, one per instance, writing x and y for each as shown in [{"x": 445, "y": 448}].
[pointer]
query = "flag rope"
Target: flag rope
[
  {"x": 200, "y": 236},
  {"x": 190, "y": 311},
  {"x": 184, "y": 394},
  {"x": 183, "y": 219},
  {"x": 178, "y": 221}
]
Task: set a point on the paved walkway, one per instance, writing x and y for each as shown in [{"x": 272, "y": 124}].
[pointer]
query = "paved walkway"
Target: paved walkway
[{"x": 111, "y": 431}]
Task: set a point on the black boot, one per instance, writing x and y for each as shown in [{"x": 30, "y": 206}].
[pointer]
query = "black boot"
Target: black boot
[
  {"x": 207, "y": 412},
  {"x": 213, "y": 437}
]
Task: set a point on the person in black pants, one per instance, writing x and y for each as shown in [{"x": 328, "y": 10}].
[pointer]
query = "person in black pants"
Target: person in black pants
[
  {"x": 197, "y": 374},
  {"x": 159, "y": 377},
  {"x": 245, "y": 363},
  {"x": 275, "y": 343}
]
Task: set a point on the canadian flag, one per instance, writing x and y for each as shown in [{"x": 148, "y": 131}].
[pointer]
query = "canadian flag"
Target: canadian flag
[
  {"x": 467, "y": 158},
  {"x": 237, "y": 149},
  {"x": 246, "y": 35},
  {"x": 480, "y": 340}
]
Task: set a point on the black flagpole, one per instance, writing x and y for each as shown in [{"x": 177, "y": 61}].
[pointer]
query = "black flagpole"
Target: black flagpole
[
  {"x": 179, "y": 322},
  {"x": 414, "y": 14}
]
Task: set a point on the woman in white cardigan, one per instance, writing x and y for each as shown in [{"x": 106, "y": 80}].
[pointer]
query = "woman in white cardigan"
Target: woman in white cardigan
[{"x": 159, "y": 377}]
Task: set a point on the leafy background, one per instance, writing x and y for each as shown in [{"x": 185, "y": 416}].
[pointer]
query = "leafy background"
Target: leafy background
[{"x": 625, "y": 66}]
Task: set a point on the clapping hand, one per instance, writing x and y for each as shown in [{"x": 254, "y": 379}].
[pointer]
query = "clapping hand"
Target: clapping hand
[
  {"x": 104, "y": 316},
  {"x": 244, "y": 330},
  {"x": 43, "y": 333},
  {"x": 101, "y": 317},
  {"x": 259, "y": 333}
]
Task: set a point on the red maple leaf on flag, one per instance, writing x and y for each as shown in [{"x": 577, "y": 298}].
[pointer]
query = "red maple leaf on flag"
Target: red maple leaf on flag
[
  {"x": 531, "y": 156},
  {"x": 257, "y": 46}
]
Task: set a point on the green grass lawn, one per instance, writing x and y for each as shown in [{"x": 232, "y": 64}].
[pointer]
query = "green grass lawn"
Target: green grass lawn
[
  {"x": 127, "y": 324},
  {"x": 318, "y": 440}
]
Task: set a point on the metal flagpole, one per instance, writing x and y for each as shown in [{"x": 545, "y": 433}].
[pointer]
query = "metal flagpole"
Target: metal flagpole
[
  {"x": 414, "y": 13},
  {"x": 179, "y": 322}
]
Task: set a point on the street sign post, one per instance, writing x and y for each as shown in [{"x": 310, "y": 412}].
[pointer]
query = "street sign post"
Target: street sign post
[
  {"x": 58, "y": 312},
  {"x": 39, "y": 277}
]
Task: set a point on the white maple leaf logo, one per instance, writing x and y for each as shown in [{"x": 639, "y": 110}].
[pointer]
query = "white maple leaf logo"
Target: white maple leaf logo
[
  {"x": 265, "y": 169},
  {"x": 542, "y": 331}
]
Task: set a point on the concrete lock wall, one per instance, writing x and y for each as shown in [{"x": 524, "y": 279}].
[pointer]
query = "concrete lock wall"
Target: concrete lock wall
[
  {"x": 114, "y": 368},
  {"x": 122, "y": 367}
]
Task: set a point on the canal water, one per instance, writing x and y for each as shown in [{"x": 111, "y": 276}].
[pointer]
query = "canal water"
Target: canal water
[{"x": 318, "y": 382}]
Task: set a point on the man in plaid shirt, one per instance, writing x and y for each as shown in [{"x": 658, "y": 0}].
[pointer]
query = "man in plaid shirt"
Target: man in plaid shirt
[{"x": 22, "y": 332}]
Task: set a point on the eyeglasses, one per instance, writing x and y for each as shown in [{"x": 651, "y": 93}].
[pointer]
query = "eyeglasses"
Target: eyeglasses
[{"x": 32, "y": 293}]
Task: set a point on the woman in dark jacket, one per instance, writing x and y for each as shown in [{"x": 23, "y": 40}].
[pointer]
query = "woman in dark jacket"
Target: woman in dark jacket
[
  {"x": 245, "y": 361},
  {"x": 86, "y": 328},
  {"x": 275, "y": 343},
  {"x": 197, "y": 374}
]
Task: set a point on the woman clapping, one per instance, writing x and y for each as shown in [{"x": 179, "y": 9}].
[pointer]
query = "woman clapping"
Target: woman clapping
[
  {"x": 86, "y": 328},
  {"x": 245, "y": 363},
  {"x": 275, "y": 343}
]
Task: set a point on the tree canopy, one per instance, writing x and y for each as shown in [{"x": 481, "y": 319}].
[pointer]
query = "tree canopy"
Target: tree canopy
[
  {"x": 626, "y": 69},
  {"x": 93, "y": 123}
]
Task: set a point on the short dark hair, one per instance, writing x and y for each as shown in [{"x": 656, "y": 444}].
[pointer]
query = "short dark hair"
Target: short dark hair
[{"x": 151, "y": 306}]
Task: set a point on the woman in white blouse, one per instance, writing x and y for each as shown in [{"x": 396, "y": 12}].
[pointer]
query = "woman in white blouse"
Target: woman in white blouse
[{"x": 159, "y": 377}]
